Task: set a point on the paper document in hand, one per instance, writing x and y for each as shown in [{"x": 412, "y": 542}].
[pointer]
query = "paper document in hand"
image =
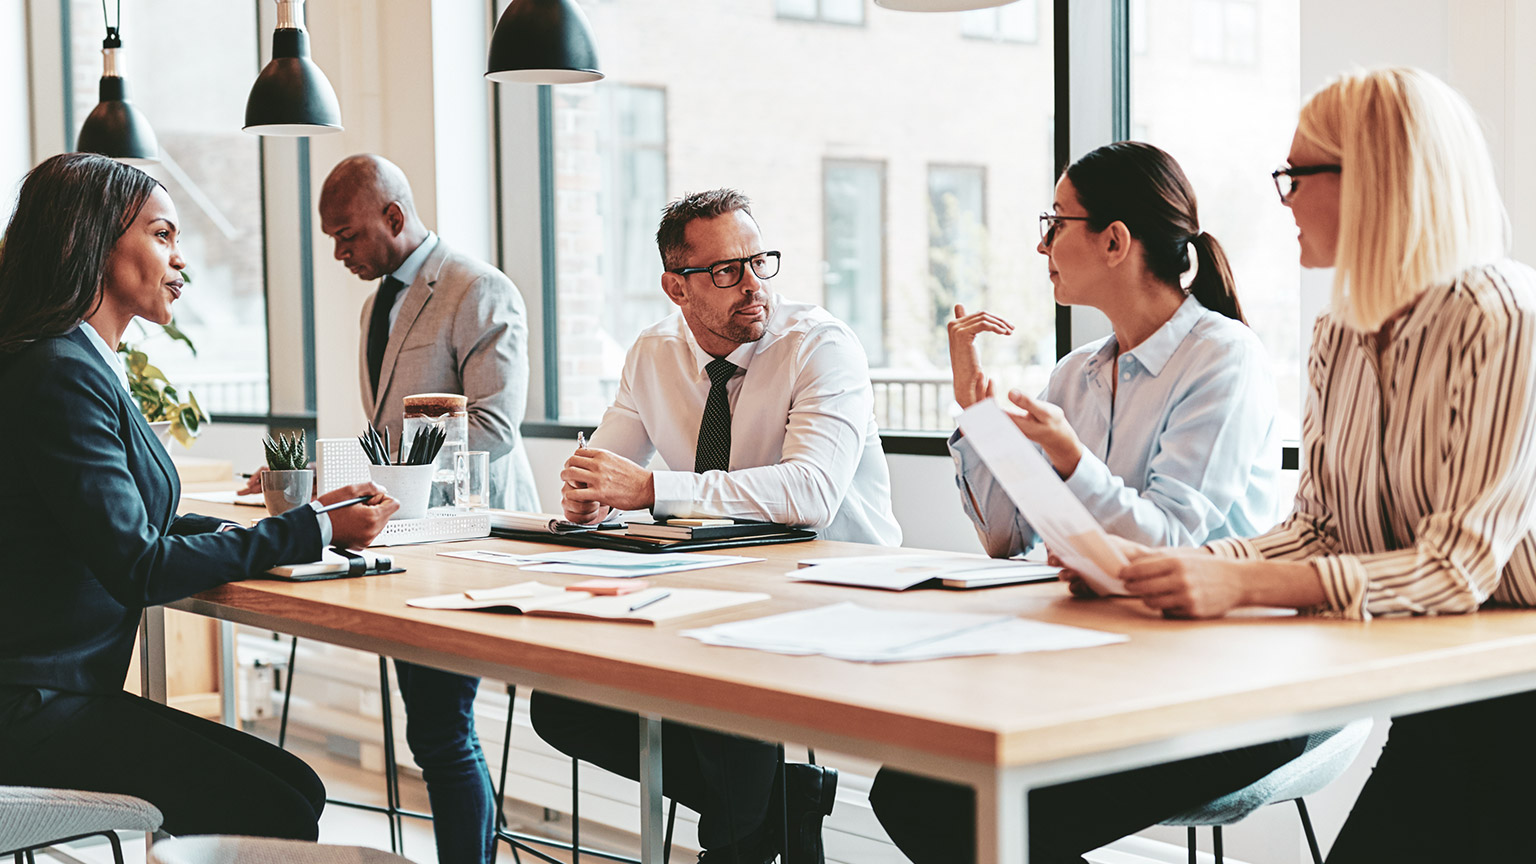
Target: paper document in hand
[
  {"x": 848, "y": 631},
  {"x": 1052, "y": 510}
]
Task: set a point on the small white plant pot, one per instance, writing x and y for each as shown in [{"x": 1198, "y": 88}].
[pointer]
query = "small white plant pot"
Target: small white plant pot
[
  {"x": 411, "y": 485},
  {"x": 285, "y": 490}
]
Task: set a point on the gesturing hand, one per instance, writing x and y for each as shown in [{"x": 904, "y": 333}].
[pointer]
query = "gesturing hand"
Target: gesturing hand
[
  {"x": 604, "y": 477},
  {"x": 1187, "y": 583},
  {"x": 964, "y": 360},
  {"x": 1044, "y": 424}
]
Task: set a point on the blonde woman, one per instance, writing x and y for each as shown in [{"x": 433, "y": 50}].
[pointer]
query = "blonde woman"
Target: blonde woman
[{"x": 1419, "y": 447}]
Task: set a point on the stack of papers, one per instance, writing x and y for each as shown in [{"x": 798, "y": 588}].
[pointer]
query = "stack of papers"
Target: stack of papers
[
  {"x": 547, "y": 523},
  {"x": 601, "y": 562},
  {"x": 900, "y": 572},
  {"x": 644, "y": 607},
  {"x": 848, "y": 631}
]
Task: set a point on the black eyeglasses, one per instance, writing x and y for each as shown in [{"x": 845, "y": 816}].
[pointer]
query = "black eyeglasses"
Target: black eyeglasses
[
  {"x": 729, "y": 273},
  {"x": 1050, "y": 223},
  {"x": 1286, "y": 180}
]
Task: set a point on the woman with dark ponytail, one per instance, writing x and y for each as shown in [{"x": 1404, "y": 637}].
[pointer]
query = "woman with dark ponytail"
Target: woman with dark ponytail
[{"x": 1163, "y": 429}]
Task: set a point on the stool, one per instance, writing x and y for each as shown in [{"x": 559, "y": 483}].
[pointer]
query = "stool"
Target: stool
[{"x": 1326, "y": 756}]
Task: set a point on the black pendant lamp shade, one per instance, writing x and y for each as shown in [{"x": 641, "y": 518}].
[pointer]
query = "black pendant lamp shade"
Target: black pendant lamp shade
[
  {"x": 115, "y": 127},
  {"x": 291, "y": 96},
  {"x": 543, "y": 42}
]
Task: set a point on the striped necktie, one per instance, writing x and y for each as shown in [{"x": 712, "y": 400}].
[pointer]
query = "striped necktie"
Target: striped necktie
[{"x": 714, "y": 450}]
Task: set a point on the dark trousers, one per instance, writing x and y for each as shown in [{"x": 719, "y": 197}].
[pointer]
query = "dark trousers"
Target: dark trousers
[
  {"x": 934, "y": 821},
  {"x": 724, "y": 778},
  {"x": 205, "y": 778},
  {"x": 1458, "y": 784},
  {"x": 440, "y": 729}
]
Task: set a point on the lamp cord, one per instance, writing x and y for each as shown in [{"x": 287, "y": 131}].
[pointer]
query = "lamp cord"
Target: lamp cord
[{"x": 110, "y": 28}]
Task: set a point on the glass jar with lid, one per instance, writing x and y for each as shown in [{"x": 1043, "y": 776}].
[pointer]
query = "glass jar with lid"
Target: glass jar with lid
[{"x": 449, "y": 412}]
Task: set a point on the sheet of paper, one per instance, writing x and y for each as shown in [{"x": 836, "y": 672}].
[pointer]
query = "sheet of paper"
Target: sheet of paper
[
  {"x": 1052, "y": 510},
  {"x": 226, "y": 497},
  {"x": 900, "y": 572},
  {"x": 490, "y": 556},
  {"x": 848, "y": 631}
]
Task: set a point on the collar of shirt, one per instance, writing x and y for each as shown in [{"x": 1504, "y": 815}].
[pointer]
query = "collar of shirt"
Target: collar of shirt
[
  {"x": 411, "y": 266},
  {"x": 1155, "y": 351},
  {"x": 744, "y": 352},
  {"x": 113, "y": 361}
]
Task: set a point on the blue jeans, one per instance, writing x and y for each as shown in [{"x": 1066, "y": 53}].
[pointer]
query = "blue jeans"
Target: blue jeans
[{"x": 440, "y": 729}]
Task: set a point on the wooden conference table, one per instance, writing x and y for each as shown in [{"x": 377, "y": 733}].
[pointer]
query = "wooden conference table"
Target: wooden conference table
[{"x": 1002, "y": 724}]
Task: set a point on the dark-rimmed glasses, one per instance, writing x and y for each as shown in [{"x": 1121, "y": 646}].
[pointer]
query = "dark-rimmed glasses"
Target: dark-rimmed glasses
[
  {"x": 1286, "y": 181},
  {"x": 729, "y": 273},
  {"x": 1050, "y": 223}
]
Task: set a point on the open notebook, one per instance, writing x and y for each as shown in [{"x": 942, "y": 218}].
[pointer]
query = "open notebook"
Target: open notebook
[{"x": 652, "y": 606}]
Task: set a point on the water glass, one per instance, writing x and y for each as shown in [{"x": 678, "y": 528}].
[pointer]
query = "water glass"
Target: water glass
[{"x": 471, "y": 478}]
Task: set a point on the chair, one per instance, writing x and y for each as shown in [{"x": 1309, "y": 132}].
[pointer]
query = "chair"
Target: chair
[
  {"x": 263, "y": 850},
  {"x": 33, "y": 818},
  {"x": 1327, "y": 754}
]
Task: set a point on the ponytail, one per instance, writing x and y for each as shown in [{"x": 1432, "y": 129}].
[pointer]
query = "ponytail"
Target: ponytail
[{"x": 1214, "y": 286}]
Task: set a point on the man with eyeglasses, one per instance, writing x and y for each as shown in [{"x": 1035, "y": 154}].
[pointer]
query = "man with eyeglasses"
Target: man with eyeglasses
[{"x": 761, "y": 408}]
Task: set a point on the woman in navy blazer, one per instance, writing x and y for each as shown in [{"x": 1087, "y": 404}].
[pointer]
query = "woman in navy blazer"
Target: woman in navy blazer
[{"x": 88, "y": 524}]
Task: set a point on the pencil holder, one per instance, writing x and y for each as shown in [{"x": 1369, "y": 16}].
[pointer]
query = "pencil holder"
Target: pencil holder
[{"x": 408, "y": 484}]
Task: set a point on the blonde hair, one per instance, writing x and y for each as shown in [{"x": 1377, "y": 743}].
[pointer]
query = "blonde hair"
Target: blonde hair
[{"x": 1418, "y": 201}]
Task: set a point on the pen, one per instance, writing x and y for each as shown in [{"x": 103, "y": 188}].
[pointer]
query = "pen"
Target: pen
[
  {"x": 581, "y": 440},
  {"x": 245, "y": 475},
  {"x": 340, "y": 504},
  {"x": 649, "y": 600}
]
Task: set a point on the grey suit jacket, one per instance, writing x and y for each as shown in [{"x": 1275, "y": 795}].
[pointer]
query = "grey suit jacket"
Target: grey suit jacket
[{"x": 461, "y": 328}]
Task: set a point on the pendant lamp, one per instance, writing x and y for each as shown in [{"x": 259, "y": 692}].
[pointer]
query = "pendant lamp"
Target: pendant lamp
[
  {"x": 291, "y": 96},
  {"x": 543, "y": 42},
  {"x": 115, "y": 127},
  {"x": 939, "y": 5}
]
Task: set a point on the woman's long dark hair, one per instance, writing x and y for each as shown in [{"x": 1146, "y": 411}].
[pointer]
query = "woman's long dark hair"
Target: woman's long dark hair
[
  {"x": 71, "y": 211},
  {"x": 1138, "y": 184}
]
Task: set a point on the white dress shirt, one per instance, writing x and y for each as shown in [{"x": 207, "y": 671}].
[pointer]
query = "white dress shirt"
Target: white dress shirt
[
  {"x": 805, "y": 449},
  {"x": 1181, "y": 452}
]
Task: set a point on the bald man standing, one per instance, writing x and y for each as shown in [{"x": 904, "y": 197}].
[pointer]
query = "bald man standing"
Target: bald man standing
[{"x": 440, "y": 322}]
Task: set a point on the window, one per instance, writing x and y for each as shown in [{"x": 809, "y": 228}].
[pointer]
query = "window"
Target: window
[
  {"x": 1223, "y": 31},
  {"x": 1229, "y": 131},
  {"x": 853, "y": 275},
  {"x": 212, "y": 170},
  {"x": 832, "y": 11},
  {"x": 1016, "y": 22},
  {"x": 862, "y": 166}
]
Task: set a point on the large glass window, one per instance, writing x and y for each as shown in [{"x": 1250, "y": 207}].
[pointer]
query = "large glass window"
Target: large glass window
[
  {"x": 1017, "y": 22},
  {"x": 1229, "y": 131},
  {"x": 187, "y": 67},
  {"x": 863, "y": 165},
  {"x": 854, "y": 277}
]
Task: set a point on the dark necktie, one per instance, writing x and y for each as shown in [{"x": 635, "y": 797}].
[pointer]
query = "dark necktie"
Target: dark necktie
[
  {"x": 378, "y": 326},
  {"x": 714, "y": 450}
]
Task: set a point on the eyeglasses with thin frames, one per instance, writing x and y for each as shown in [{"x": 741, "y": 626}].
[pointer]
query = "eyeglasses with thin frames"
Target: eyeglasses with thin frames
[
  {"x": 1050, "y": 223},
  {"x": 730, "y": 272},
  {"x": 1286, "y": 177}
]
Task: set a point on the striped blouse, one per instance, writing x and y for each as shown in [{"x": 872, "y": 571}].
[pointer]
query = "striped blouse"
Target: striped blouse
[{"x": 1419, "y": 474}]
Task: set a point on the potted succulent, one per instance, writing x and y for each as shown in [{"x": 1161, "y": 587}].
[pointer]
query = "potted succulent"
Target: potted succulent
[
  {"x": 288, "y": 482},
  {"x": 168, "y": 414}
]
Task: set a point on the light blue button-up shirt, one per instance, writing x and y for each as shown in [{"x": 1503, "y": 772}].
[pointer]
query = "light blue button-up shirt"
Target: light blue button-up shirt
[{"x": 1182, "y": 452}]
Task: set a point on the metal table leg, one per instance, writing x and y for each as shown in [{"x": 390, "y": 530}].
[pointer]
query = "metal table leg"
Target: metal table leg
[{"x": 652, "y": 825}]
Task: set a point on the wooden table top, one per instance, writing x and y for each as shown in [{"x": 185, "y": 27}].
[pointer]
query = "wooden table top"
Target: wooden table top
[{"x": 1172, "y": 678}]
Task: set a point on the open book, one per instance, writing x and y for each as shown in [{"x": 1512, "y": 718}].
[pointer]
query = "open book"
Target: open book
[
  {"x": 547, "y": 523},
  {"x": 652, "y": 606}
]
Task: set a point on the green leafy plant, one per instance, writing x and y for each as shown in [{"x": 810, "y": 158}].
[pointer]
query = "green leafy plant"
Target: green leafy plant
[
  {"x": 286, "y": 453},
  {"x": 158, "y": 399}
]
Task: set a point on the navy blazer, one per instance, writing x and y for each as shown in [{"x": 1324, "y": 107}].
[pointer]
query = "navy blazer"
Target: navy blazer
[{"x": 89, "y": 534}]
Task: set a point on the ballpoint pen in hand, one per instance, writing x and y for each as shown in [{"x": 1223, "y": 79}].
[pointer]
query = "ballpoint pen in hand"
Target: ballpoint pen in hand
[
  {"x": 581, "y": 440},
  {"x": 649, "y": 600},
  {"x": 340, "y": 504}
]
